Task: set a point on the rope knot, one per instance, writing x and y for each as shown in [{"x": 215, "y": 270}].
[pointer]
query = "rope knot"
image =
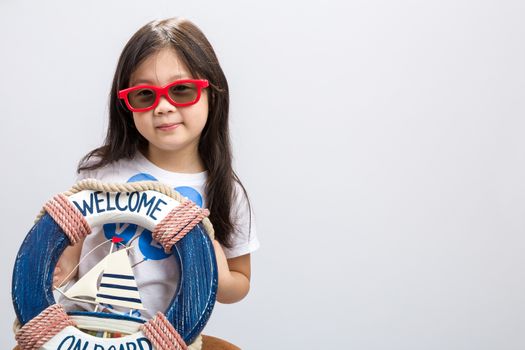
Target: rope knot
[
  {"x": 162, "y": 334},
  {"x": 43, "y": 327},
  {"x": 181, "y": 220},
  {"x": 69, "y": 218}
]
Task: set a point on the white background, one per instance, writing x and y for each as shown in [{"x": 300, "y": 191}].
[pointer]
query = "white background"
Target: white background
[{"x": 382, "y": 144}]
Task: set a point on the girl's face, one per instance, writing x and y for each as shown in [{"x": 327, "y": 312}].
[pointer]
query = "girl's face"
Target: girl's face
[{"x": 167, "y": 128}]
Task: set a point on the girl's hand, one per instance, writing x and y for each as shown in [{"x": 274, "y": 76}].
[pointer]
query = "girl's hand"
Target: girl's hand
[
  {"x": 66, "y": 267},
  {"x": 234, "y": 276}
]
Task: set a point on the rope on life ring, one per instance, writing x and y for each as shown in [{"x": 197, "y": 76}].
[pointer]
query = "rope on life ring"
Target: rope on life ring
[
  {"x": 42, "y": 328},
  {"x": 162, "y": 334},
  {"x": 68, "y": 217},
  {"x": 92, "y": 184},
  {"x": 171, "y": 229},
  {"x": 54, "y": 319}
]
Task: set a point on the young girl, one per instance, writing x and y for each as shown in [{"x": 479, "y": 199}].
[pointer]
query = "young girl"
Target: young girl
[{"x": 168, "y": 121}]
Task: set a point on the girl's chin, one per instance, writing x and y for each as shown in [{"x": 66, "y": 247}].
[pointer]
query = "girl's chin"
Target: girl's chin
[{"x": 168, "y": 147}]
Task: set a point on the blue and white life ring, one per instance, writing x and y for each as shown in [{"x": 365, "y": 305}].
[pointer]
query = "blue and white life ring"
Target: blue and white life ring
[{"x": 192, "y": 303}]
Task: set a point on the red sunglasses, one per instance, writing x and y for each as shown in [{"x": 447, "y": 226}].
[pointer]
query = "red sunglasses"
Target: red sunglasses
[{"x": 179, "y": 93}]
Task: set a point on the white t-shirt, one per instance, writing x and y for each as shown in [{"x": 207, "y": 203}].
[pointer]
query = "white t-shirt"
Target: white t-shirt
[{"x": 156, "y": 273}]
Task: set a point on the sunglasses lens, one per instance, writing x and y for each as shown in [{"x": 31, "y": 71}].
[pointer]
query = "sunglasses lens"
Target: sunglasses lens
[
  {"x": 141, "y": 98},
  {"x": 184, "y": 93}
]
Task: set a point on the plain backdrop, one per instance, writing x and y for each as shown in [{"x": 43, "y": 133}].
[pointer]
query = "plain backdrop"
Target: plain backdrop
[{"x": 381, "y": 142}]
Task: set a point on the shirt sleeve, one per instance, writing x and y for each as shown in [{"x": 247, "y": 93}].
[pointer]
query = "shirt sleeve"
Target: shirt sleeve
[{"x": 244, "y": 237}]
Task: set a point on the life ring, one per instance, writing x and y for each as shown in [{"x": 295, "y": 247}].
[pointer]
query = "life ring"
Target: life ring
[{"x": 192, "y": 303}]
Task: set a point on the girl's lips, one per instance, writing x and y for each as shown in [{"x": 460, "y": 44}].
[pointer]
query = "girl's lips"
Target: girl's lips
[{"x": 168, "y": 127}]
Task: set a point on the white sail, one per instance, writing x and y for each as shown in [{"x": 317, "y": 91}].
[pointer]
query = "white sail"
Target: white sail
[
  {"x": 87, "y": 285},
  {"x": 118, "y": 286}
]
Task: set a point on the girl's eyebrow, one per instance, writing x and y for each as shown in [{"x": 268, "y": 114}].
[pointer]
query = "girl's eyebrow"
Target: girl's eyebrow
[{"x": 150, "y": 82}]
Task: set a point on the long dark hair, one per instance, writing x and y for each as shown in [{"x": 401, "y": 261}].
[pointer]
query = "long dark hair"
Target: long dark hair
[{"x": 123, "y": 140}]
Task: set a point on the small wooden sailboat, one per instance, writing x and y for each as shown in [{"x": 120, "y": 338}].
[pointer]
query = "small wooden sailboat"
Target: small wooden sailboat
[{"x": 117, "y": 285}]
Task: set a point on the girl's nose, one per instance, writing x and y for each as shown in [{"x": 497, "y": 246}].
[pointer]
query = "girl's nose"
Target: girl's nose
[{"x": 164, "y": 106}]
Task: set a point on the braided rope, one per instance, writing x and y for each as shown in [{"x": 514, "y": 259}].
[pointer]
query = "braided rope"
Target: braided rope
[
  {"x": 95, "y": 185},
  {"x": 43, "y": 327},
  {"x": 178, "y": 223},
  {"x": 162, "y": 334},
  {"x": 68, "y": 218}
]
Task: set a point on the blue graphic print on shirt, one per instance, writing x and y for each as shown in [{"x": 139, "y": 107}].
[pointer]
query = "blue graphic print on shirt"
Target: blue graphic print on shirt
[
  {"x": 142, "y": 177},
  {"x": 124, "y": 231},
  {"x": 190, "y": 193},
  {"x": 150, "y": 249}
]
